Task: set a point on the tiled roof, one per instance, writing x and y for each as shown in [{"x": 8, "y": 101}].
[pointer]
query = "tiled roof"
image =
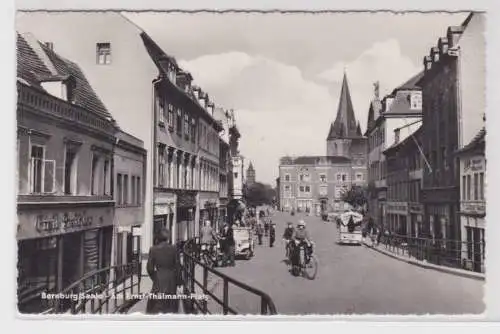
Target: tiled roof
[
  {"x": 33, "y": 70},
  {"x": 478, "y": 140},
  {"x": 406, "y": 141},
  {"x": 411, "y": 83},
  {"x": 313, "y": 160}
]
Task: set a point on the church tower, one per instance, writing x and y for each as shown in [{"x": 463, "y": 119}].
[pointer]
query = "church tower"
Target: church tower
[{"x": 345, "y": 137}]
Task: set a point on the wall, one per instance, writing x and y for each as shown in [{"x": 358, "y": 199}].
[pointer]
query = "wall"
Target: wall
[{"x": 472, "y": 74}]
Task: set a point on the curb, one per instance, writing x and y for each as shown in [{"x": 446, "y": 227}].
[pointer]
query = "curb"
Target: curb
[{"x": 447, "y": 270}]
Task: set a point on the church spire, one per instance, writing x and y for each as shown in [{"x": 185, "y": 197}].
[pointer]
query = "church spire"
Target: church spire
[{"x": 345, "y": 122}]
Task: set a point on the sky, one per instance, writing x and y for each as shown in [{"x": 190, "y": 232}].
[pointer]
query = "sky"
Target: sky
[{"x": 281, "y": 73}]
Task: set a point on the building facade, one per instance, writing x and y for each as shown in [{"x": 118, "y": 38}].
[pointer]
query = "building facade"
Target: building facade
[
  {"x": 316, "y": 183},
  {"x": 404, "y": 182},
  {"x": 401, "y": 110},
  {"x": 65, "y": 204},
  {"x": 473, "y": 202},
  {"x": 453, "y": 109},
  {"x": 129, "y": 191}
]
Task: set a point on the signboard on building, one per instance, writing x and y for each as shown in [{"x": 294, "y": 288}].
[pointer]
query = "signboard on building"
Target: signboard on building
[
  {"x": 475, "y": 164},
  {"x": 473, "y": 207},
  {"x": 50, "y": 222},
  {"x": 397, "y": 208}
]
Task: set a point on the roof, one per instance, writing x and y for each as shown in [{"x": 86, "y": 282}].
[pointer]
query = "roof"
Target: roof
[
  {"x": 411, "y": 138},
  {"x": 250, "y": 167},
  {"x": 37, "y": 63},
  {"x": 373, "y": 114},
  {"x": 477, "y": 142},
  {"x": 313, "y": 160},
  {"x": 411, "y": 84},
  {"x": 345, "y": 122},
  {"x": 401, "y": 105}
]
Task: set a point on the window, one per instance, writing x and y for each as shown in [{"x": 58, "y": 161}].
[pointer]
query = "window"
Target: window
[
  {"x": 307, "y": 189},
  {"x": 339, "y": 177},
  {"x": 125, "y": 189},
  {"x": 106, "y": 177},
  {"x": 170, "y": 117},
  {"x": 444, "y": 157},
  {"x": 70, "y": 177},
  {"x": 359, "y": 176},
  {"x": 36, "y": 168},
  {"x": 161, "y": 111},
  {"x": 344, "y": 177},
  {"x": 322, "y": 178},
  {"x": 119, "y": 189},
  {"x": 301, "y": 189},
  {"x": 138, "y": 188},
  {"x": 179, "y": 122},
  {"x": 416, "y": 100},
  {"x": 132, "y": 190},
  {"x": 301, "y": 177},
  {"x": 193, "y": 130},
  {"x": 476, "y": 186},
  {"x": 481, "y": 186},
  {"x": 103, "y": 53},
  {"x": 464, "y": 180},
  {"x": 323, "y": 190},
  {"x": 287, "y": 177},
  {"x": 161, "y": 165},
  {"x": 287, "y": 192},
  {"x": 94, "y": 183},
  {"x": 468, "y": 187},
  {"x": 186, "y": 126}
]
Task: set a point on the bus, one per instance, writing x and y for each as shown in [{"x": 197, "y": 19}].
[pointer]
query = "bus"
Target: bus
[{"x": 350, "y": 228}]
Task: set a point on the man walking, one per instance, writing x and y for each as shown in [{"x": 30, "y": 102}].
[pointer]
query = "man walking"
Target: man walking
[
  {"x": 260, "y": 231},
  {"x": 272, "y": 234},
  {"x": 228, "y": 245}
]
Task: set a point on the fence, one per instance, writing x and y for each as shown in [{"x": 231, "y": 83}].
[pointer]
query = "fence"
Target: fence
[
  {"x": 452, "y": 253},
  {"x": 108, "y": 290},
  {"x": 191, "y": 266}
]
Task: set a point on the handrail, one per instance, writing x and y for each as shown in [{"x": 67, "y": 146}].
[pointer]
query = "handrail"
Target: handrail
[
  {"x": 188, "y": 265},
  {"x": 97, "y": 289}
]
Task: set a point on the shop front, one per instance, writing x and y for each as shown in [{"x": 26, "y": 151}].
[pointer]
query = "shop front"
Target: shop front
[
  {"x": 416, "y": 215},
  {"x": 473, "y": 236},
  {"x": 397, "y": 213},
  {"x": 164, "y": 216},
  {"x": 185, "y": 216},
  {"x": 58, "y": 246}
]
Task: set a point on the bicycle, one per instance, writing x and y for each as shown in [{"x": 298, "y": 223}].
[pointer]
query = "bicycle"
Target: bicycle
[{"x": 307, "y": 264}]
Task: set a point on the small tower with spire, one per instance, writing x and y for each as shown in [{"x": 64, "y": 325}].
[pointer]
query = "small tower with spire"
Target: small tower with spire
[
  {"x": 345, "y": 130},
  {"x": 250, "y": 174}
]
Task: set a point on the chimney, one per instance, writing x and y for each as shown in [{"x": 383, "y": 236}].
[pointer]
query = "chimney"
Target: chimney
[
  {"x": 50, "y": 45},
  {"x": 210, "y": 108},
  {"x": 396, "y": 136}
]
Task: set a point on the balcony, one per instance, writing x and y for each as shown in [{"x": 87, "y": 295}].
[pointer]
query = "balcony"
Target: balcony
[{"x": 41, "y": 102}]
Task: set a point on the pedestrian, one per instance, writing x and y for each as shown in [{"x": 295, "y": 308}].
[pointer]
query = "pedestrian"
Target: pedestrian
[
  {"x": 164, "y": 270},
  {"x": 272, "y": 234},
  {"x": 260, "y": 231},
  {"x": 228, "y": 245}
]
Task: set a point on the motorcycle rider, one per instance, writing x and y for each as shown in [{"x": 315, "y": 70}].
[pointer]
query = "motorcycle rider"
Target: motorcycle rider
[{"x": 302, "y": 236}]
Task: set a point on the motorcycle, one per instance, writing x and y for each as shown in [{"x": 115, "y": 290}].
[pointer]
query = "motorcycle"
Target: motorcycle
[
  {"x": 210, "y": 254},
  {"x": 304, "y": 262}
]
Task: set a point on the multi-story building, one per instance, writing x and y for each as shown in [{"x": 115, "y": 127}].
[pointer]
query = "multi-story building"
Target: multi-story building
[
  {"x": 315, "y": 183},
  {"x": 404, "y": 182},
  {"x": 453, "y": 107},
  {"x": 473, "y": 202},
  {"x": 129, "y": 189},
  {"x": 187, "y": 153},
  {"x": 250, "y": 175},
  {"x": 65, "y": 207},
  {"x": 172, "y": 117},
  {"x": 402, "y": 110}
]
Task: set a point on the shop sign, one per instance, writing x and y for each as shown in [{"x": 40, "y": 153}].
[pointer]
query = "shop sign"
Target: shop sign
[
  {"x": 473, "y": 207},
  {"x": 397, "y": 208},
  {"x": 46, "y": 222},
  {"x": 474, "y": 164},
  {"x": 416, "y": 208}
]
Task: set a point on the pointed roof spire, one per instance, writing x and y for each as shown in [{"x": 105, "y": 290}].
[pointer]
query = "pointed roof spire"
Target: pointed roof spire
[
  {"x": 358, "y": 130},
  {"x": 250, "y": 166},
  {"x": 345, "y": 122}
]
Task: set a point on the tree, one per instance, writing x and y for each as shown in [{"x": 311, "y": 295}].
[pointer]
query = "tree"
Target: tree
[
  {"x": 356, "y": 196},
  {"x": 259, "y": 194}
]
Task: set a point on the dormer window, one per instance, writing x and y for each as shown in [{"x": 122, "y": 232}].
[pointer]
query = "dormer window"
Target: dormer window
[
  {"x": 388, "y": 103},
  {"x": 103, "y": 56},
  {"x": 416, "y": 101},
  {"x": 64, "y": 90}
]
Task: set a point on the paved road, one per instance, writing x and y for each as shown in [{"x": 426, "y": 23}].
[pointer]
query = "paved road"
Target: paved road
[{"x": 350, "y": 280}]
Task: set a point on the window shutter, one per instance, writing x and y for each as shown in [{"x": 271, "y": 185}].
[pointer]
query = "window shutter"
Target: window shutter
[{"x": 49, "y": 176}]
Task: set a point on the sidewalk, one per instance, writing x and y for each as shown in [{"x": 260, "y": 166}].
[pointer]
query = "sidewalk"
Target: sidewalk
[{"x": 424, "y": 264}]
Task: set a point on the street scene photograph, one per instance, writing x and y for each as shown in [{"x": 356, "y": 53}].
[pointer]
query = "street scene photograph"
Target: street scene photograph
[{"x": 251, "y": 163}]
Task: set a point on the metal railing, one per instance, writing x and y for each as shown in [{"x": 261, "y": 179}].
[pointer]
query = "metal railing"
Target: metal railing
[
  {"x": 107, "y": 290},
  {"x": 452, "y": 253},
  {"x": 192, "y": 285}
]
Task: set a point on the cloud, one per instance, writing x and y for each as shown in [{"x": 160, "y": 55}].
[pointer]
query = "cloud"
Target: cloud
[
  {"x": 278, "y": 111},
  {"x": 383, "y": 62}
]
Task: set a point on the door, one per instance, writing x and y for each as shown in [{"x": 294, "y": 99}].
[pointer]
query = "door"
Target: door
[{"x": 476, "y": 237}]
